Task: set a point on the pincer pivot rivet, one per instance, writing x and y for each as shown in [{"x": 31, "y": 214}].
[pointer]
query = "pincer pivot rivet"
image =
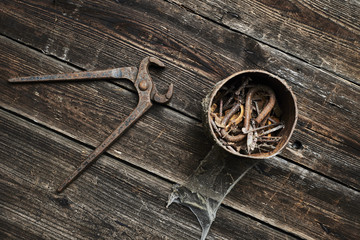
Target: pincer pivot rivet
[{"x": 143, "y": 85}]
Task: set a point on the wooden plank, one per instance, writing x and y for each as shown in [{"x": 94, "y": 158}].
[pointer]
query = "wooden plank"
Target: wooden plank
[
  {"x": 280, "y": 193},
  {"x": 299, "y": 201},
  {"x": 323, "y": 33},
  {"x": 326, "y": 103},
  {"x": 120, "y": 202},
  {"x": 341, "y": 157}
]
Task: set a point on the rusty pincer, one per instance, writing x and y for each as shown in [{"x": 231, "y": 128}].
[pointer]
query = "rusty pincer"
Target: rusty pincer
[{"x": 145, "y": 88}]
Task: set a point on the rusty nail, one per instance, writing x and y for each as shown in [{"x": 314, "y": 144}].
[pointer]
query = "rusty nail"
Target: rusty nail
[
  {"x": 237, "y": 119},
  {"x": 265, "y": 110},
  {"x": 221, "y": 108},
  {"x": 272, "y": 130},
  {"x": 242, "y": 86},
  {"x": 231, "y": 112},
  {"x": 232, "y": 138},
  {"x": 215, "y": 127},
  {"x": 259, "y": 128}
]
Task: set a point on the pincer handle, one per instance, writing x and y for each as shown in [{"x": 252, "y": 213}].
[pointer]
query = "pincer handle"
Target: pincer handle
[
  {"x": 128, "y": 122},
  {"x": 116, "y": 73}
]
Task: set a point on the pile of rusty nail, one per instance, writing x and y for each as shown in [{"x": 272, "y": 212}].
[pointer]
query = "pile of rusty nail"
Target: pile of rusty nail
[{"x": 246, "y": 118}]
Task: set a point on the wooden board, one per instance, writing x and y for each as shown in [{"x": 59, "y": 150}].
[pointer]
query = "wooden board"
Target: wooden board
[
  {"x": 309, "y": 192},
  {"x": 122, "y": 202},
  {"x": 323, "y": 33}
]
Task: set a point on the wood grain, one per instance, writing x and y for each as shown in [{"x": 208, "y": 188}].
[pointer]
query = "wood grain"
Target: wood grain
[
  {"x": 296, "y": 195},
  {"x": 323, "y": 33},
  {"x": 326, "y": 102},
  {"x": 120, "y": 202},
  {"x": 170, "y": 145}
]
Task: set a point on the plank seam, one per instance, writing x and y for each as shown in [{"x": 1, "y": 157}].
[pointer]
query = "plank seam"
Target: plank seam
[
  {"x": 265, "y": 223},
  {"x": 265, "y": 43},
  {"x": 320, "y": 174}
]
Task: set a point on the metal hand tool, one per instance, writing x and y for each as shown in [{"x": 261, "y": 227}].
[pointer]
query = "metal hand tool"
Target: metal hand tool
[{"x": 144, "y": 85}]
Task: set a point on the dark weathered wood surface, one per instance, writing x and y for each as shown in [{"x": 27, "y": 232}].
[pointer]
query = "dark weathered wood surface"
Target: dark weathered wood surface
[
  {"x": 323, "y": 33},
  {"x": 311, "y": 191},
  {"x": 121, "y": 202}
]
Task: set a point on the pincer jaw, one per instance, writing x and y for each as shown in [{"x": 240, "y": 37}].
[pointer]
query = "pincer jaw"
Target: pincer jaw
[
  {"x": 162, "y": 98},
  {"x": 146, "y": 62},
  {"x": 144, "y": 74},
  {"x": 155, "y": 61}
]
